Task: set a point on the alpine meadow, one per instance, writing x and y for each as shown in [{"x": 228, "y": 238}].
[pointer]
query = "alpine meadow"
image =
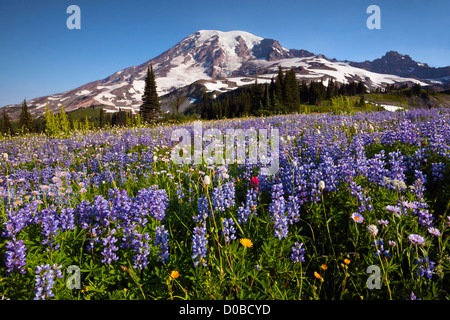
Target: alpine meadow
[{"x": 227, "y": 167}]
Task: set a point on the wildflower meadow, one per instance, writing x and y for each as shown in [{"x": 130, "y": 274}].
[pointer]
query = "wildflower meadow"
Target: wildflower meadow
[{"x": 359, "y": 209}]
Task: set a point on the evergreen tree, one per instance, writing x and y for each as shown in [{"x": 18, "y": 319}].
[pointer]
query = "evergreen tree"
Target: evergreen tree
[
  {"x": 304, "y": 92},
  {"x": 322, "y": 91},
  {"x": 280, "y": 85},
  {"x": 266, "y": 98},
  {"x": 101, "y": 118},
  {"x": 26, "y": 123},
  {"x": 255, "y": 94},
  {"x": 313, "y": 94},
  {"x": 6, "y": 124},
  {"x": 330, "y": 90},
  {"x": 291, "y": 91},
  {"x": 351, "y": 88},
  {"x": 150, "y": 107},
  {"x": 121, "y": 118},
  {"x": 362, "y": 101},
  {"x": 272, "y": 92},
  {"x": 246, "y": 104},
  {"x": 204, "y": 112},
  {"x": 361, "y": 88},
  {"x": 416, "y": 89}
]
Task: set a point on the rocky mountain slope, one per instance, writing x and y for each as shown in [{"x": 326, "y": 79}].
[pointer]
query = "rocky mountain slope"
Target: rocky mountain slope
[{"x": 222, "y": 61}]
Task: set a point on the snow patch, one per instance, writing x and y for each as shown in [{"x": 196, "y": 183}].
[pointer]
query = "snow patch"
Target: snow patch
[
  {"x": 391, "y": 108},
  {"x": 114, "y": 86},
  {"x": 83, "y": 92}
]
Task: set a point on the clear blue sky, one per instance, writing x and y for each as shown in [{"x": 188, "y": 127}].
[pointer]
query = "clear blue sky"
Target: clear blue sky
[{"x": 39, "y": 55}]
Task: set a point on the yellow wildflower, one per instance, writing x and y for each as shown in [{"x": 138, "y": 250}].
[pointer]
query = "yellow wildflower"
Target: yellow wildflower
[{"x": 246, "y": 242}]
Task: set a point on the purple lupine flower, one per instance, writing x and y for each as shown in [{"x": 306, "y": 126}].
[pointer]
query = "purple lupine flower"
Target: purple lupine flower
[
  {"x": 376, "y": 168},
  {"x": 425, "y": 267},
  {"x": 109, "y": 248},
  {"x": 425, "y": 218},
  {"x": 154, "y": 201},
  {"x": 45, "y": 279},
  {"x": 203, "y": 210},
  {"x": 360, "y": 194},
  {"x": 380, "y": 249},
  {"x": 199, "y": 243},
  {"x": 397, "y": 167},
  {"x": 245, "y": 212},
  {"x": 180, "y": 191},
  {"x": 17, "y": 220},
  {"x": 223, "y": 197},
  {"x": 277, "y": 211},
  {"x": 121, "y": 204},
  {"x": 330, "y": 174},
  {"x": 292, "y": 210},
  {"x": 50, "y": 226},
  {"x": 228, "y": 229},
  {"x": 418, "y": 186},
  {"x": 141, "y": 247},
  {"x": 67, "y": 219},
  {"x": 15, "y": 256},
  {"x": 102, "y": 211},
  {"x": 297, "y": 253},
  {"x": 84, "y": 214},
  {"x": 413, "y": 297},
  {"x": 162, "y": 240},
  {"x": 436, "y": 171}
]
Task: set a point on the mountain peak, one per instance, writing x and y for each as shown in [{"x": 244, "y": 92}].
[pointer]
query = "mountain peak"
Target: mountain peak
[
  {"x": 222, "y": 61},
  {"x": 226, "y": 40},
  {"x": 397, "y": 56},
  {"x": 207, "y": 34}
]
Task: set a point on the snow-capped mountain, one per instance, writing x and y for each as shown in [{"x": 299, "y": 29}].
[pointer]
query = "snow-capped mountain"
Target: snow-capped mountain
[{"x": 220, "y": 61}]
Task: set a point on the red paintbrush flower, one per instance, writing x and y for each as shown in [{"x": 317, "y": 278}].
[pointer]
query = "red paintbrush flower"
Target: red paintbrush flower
[{"x": 255, "y": 183}]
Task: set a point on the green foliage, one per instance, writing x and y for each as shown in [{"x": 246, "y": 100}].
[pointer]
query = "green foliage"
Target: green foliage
[
  {"x": 64, "y": 122},
  {"x": 52, "y": 128},
  {"x": 57, "y": 125},
  {"x": 341, "y": 105}
]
